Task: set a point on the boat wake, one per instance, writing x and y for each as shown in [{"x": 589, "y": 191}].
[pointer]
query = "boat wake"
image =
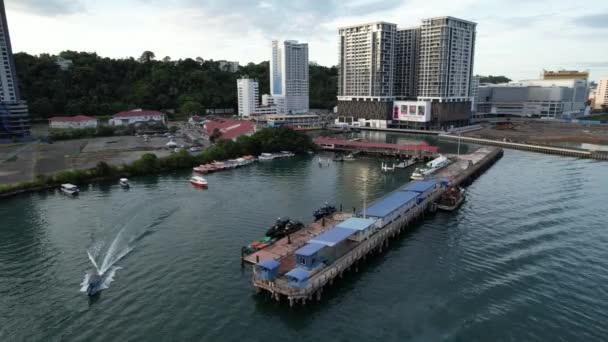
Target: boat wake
[{"x": 104, "y": 259}]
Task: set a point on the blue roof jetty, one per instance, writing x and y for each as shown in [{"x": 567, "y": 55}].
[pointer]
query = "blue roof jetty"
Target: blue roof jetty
[
  {"x": 269, "y": 264},
  {"x": 356, "y": 223},
  {"x": 310, "y": 249},
  {"x": 333, "y": 236},
  {"x": 298, "y": 273},
  {"x": 390, "y": 203},
  {"x": 420, "y": 186}
]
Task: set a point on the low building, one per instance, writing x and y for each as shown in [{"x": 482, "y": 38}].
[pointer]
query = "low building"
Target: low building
[
  {"x": 229, "y": 129},
  {"x": 534, "y": 98},
  {"x": 72, "y": 122},
  {"x": 305, "y": 121},
  {"x": 64, "y": 64},
  {"x": 265, "y": 110},
  {"x": 228, "y": 66},
  {"x": 138, "y": 116}
]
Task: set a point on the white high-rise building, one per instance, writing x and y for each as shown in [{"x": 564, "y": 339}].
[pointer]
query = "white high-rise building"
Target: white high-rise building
[
  {"x": 14, "y": 115},
  {"x": 248, "y": 95},
  {"x": 601, "y": 94},
  {"x": 289, "y": 76}
]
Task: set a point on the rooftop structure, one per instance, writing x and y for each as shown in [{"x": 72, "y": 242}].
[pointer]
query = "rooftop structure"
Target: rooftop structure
[
  {"x": 564, "y": 74},
  {"x": 230, "y": 129}
]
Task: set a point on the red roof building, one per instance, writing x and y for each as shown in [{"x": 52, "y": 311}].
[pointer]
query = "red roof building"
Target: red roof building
[{"x": 230, "y": 129}]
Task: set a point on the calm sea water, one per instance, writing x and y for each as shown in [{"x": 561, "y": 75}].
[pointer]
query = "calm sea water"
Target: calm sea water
[{"x": 524, "y": 258}]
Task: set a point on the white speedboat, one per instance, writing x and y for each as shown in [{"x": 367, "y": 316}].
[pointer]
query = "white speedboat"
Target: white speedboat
[
  {"x": 69, "y": 189},
  {"x": 405, "y": 164},
  {"x": 349, "y": 157},
  {"x": 286, "y": 154},
  {"x": 124, "y": 183},
  {"x": 266, "y": 156},
  {"x": 198, "y": 181},
  {"x": 430, "y": 168}
]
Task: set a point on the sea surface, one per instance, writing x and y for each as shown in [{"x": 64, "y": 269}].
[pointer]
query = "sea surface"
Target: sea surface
[{"x": 524, "y": 258}]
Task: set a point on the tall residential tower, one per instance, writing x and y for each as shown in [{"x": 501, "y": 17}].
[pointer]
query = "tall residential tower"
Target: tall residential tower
[
  {"x": 14, "y": 116},
  {"x": 248, "y": 96},
  {"x": 289, "y": 76},
  {"x": 366, "y": 70},
  {"x": 417, "y": 77}
]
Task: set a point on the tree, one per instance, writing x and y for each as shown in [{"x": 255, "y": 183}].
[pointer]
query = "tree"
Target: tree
[
  {"x": 146, "y": 57},
  {"x": 493, "y": 79},
  {"x": 42, "y": 107},
  {"x": 215, "y": 135},
  {"x": 167, "y": 59},
  {"x": 191, "y": 108}
]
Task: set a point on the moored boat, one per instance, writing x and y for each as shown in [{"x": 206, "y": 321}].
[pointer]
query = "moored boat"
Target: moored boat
[
  {"x": 324, "y": 211},
  {"x": 405, "y": 163},
  {"x": 124, "y": 183},
  {"x": 451, "y": 199},
  {"x": 198, "y": 181},
  {"x": 70, "y": 189},
  {"x": 430, "y": 168}
]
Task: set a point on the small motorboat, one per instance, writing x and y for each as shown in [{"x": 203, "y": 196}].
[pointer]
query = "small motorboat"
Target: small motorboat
[
  {"x": 70, "y": 189},
  {"x": 95, "y": 284},
  {"x": 324, "y": 211},
  {"x": 124, "y": 183},
  {"x": 349, "y": 157},
  {"x": 198, "y": 181},
  {"x": 405, "y": 164},
  {"x": 451, "y": 199},
  {"x": 266, "y": 156}
]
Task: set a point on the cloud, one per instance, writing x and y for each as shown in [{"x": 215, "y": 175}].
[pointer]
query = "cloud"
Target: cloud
[
  {"x": 49, "y": 8},
  {"x": 275, "y": 18},
  {"x": 593, "y": 21}
]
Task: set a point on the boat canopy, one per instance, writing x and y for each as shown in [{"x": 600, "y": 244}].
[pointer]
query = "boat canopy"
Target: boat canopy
[
  {"x": 356, "y": 223},
  {"x": 68, "y": 186},
  {"x": 333, "y": 236},
  {"x": 269, "y": 264},
  {"x": 390, "y": 203},
  {"x": 420, "y": 186},
  {"x": 310, "y": 249},
  {"x": 298, "y": 273}
]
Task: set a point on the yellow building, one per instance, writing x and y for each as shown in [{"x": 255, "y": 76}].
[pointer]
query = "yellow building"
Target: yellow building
[{"x": 565, "y": 74}]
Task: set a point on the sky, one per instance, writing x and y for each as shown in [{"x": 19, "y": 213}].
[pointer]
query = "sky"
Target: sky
[{"x": 515, "y": 38}]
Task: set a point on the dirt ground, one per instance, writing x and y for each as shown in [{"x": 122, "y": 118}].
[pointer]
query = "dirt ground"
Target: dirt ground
[
  {"x": 544, "y": 133},
  {"x": 22, "y": 162}
]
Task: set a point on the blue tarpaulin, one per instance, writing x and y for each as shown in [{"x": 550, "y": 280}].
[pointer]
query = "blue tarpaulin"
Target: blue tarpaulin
[
  {"x": 333, "y": 236},
  {"x": 420, "y": 186},
  {"x": 356, "y": 223},
  {"x": 309, "y": 249},
  {"x": 298, "y": 273},
  {"x": 390, "y": 203},
  {"x": 269, "y": 264}
]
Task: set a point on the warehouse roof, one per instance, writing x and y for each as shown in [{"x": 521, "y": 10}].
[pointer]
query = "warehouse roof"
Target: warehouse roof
[
  {"x": 309, "y": 249},
  {"x": 298, "y": 273},
  {"x": 333, "y": 236},
  {"x": 390, "y": 203},
  {"x": 420, "y": 186},
  {"x": 356, "y": 223}
]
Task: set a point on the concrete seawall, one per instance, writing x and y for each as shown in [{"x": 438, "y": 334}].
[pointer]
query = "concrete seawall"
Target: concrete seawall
[{"x": 561, "y": 151}]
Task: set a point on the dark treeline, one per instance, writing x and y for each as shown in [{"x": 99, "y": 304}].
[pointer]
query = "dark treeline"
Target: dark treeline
[
  {"x": 103, "y": 86},
  {"x": 493, "y": 79}
]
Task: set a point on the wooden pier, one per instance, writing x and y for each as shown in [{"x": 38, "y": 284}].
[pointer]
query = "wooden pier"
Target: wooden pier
[
  {"x": 279, "y": 288},
  {"x": 368, "y": 147}
]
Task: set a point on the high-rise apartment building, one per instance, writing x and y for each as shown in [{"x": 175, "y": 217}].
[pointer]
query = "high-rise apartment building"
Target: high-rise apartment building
[
  {"x": 407, "y": 46},
  {"x": 366, "y": 70},
  {"x": 248, "y": 95},
  {"x": 14, "y": 115},
  {"x": 427, "y": 69},
  {"x": 447, "y": 47},
  {"x": 601, "y": 94},
  {"x": 289, "y": 76}
]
